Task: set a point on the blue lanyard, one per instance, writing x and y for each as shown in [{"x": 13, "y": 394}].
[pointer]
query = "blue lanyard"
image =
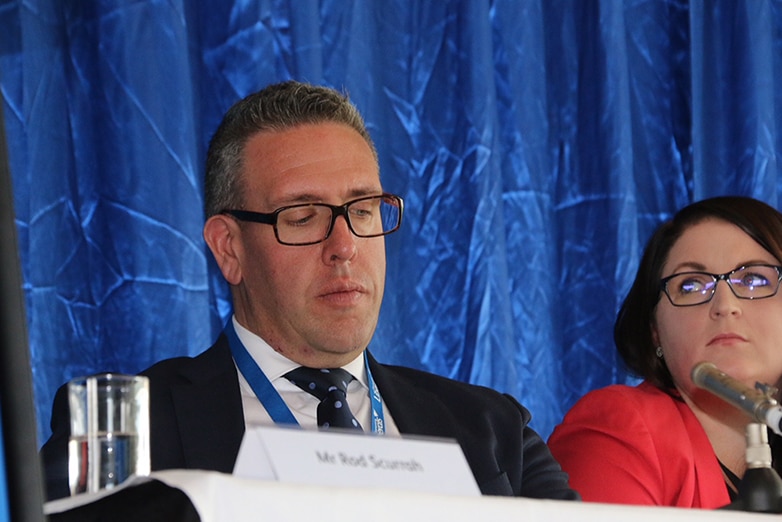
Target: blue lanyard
[{"x": 270, "y": 398}]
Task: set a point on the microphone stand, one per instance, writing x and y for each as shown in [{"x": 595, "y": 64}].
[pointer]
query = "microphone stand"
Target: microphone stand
[{"x": 760, "y": 490}]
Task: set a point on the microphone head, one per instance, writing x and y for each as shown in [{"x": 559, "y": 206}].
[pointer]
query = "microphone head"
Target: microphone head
[{"x": 701, "y": 371}]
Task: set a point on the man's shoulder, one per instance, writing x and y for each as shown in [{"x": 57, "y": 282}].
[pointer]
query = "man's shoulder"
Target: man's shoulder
[
  {"x": 429, "y": 379},
  {"x": 448, "y": 389},
  {"x": 212, "y": 361}
]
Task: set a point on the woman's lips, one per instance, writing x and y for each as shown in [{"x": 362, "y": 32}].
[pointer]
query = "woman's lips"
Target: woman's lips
[{"x": 727, "y": 338}]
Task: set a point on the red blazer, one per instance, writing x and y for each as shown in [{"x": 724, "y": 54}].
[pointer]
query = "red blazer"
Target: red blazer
[{"x": 638, "y": 445}]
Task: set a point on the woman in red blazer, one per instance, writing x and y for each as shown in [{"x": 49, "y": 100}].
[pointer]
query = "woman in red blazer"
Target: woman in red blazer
[{"x": 667, "y": 442}]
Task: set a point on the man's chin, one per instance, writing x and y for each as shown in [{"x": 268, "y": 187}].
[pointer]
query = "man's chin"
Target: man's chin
[{"x": 344, "y": 346}]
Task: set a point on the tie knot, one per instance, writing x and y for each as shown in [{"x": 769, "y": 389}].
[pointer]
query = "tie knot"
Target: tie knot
[
  {"x": 330, "y": 387},
  {"x": 319, "y": 382}
]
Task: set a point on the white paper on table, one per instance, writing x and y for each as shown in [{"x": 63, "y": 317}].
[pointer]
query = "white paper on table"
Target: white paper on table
[{"x": 347, "y": 459}]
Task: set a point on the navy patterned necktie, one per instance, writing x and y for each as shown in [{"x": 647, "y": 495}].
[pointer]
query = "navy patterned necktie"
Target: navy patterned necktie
[{"x": 330, "y": 386}]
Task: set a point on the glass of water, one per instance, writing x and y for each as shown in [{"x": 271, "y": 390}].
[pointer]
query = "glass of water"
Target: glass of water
[{"x": 109, "y": 431}]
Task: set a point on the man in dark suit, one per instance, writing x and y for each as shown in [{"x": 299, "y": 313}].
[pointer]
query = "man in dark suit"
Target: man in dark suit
[{"x": 295, "y": 219}]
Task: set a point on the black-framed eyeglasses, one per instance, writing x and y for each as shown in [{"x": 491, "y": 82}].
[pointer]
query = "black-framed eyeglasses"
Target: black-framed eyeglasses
[
  {"x": 746, "y": 282},
  {"x": 311, "y": 223}
]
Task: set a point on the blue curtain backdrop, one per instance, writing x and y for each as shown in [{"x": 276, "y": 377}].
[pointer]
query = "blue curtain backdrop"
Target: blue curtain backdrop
[
  {"x": 537, "y": 144},
  {"x": 5, "y": 515}
]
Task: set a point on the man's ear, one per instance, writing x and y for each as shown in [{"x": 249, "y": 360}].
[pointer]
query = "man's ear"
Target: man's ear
[{"x": 223, "y": 236}]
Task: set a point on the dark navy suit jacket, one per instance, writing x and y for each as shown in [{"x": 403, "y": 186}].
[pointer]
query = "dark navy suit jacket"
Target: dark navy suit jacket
[{"x": 196, "y": 422}]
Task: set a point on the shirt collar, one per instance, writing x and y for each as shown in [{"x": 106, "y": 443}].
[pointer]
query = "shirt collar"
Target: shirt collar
[{"x": 275, "y": 365}]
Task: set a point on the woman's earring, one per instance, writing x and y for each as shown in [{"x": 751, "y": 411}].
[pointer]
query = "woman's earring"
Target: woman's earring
[{"x": 659, "y": 352}]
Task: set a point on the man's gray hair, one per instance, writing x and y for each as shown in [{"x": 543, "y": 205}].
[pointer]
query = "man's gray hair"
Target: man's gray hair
[{"x": 277, "y": 107}]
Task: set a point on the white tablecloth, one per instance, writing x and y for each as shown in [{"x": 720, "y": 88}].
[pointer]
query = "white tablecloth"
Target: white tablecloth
[{"x": 221, "y": 497}]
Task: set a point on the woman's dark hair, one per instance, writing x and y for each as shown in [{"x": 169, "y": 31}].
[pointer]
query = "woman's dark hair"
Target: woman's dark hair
[{"x": 633, "y": 327}]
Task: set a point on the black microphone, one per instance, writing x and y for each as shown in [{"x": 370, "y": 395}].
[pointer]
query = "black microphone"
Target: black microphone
[{"x": 758, "y": 405}]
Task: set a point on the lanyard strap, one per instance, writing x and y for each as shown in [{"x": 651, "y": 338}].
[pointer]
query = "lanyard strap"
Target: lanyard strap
[
  {"x": 378, "y": 419},
  {"x": 262, "y": 387},
  {"x": 271, "y": 399}
]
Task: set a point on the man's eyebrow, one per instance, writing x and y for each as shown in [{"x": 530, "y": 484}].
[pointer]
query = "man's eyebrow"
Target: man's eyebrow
[
  {"x": 366, "y": 191},
  {"x": 306, "y": 197},
  {"x": 299, "y": 198}
]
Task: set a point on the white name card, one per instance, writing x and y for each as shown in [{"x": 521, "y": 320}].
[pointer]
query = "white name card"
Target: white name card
[{"x": 354, "y": 460}]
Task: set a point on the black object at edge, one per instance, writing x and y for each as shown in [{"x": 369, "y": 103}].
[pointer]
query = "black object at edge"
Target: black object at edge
[{"x": 19, "y": 435}]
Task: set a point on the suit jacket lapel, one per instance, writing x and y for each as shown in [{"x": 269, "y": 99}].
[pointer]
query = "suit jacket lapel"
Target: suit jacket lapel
[
  {"x": 209, "y": 411},
  {"x": 414, "y": 410},
  {"x": 418, "y": 411}
]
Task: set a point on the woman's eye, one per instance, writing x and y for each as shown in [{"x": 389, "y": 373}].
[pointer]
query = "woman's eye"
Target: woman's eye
[
  {"x": 753, "y": 280},
  {"x": 692, "y": 286}
]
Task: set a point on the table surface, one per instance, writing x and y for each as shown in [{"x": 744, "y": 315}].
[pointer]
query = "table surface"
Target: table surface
[{"x": 222, "y": 497}]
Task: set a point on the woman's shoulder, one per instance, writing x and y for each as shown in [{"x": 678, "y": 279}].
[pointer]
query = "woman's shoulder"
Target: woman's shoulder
[
  {"x": 643, "y": 392},
  {"x": 621, "y": 401}
]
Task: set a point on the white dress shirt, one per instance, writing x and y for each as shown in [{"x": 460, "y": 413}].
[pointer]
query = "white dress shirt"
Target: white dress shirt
[{"x": 302, "y": 404}]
